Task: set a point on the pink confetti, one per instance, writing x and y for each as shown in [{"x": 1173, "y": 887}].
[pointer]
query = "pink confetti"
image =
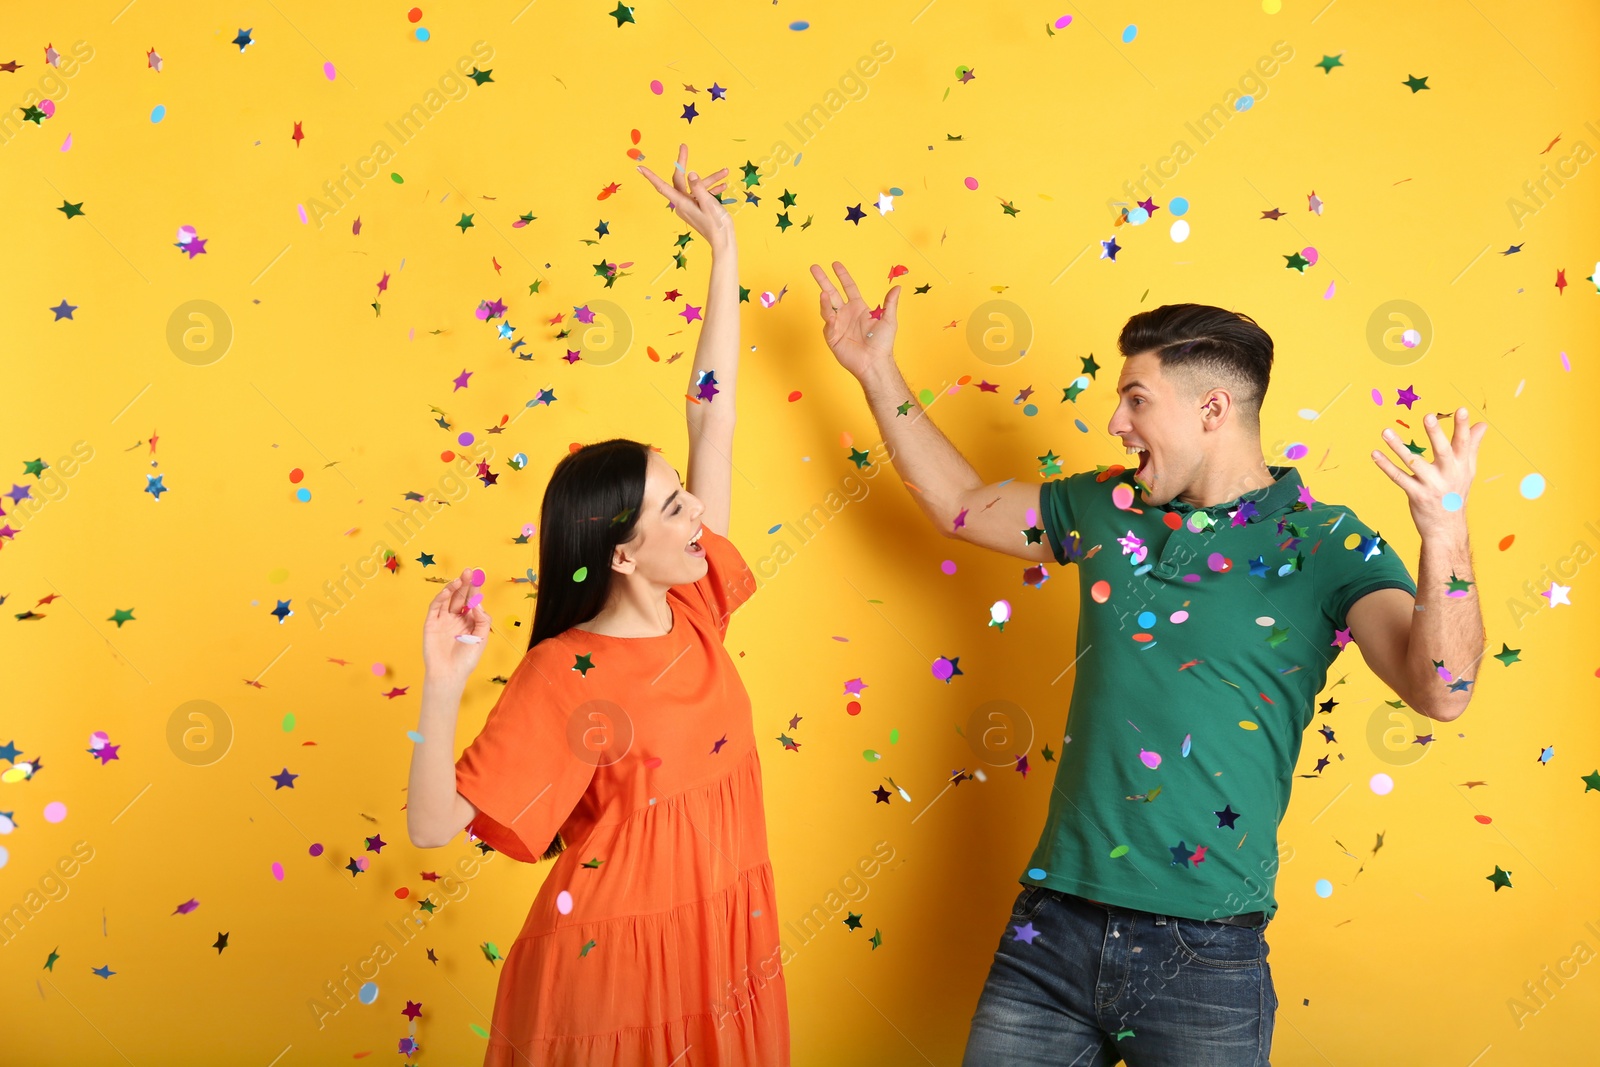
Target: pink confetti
[
  {"x": 655, "y": 87},
  {"x": 302, "y": 208},
  {"x": 67, "y": 143},
  {"x": 277, "y": 871},
  {"x": 971, "y": 183},
  {"x": 328, "y": 71}
]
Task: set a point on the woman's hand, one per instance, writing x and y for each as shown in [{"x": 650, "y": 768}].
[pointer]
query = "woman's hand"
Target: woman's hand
[
  {"x": 857, "y": 340},
  {"x": 696, "y": 199},
  {"x": 445, "y": 659}
]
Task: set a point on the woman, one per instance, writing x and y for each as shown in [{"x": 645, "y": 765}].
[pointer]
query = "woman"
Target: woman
[{"x": 623, "y": 747}]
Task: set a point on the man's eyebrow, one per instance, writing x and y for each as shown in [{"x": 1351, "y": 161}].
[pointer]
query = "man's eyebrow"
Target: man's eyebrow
[{"x": 1131, "y": 385}]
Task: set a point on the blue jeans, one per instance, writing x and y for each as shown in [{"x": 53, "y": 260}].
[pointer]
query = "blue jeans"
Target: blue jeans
[{"x": 1087, "y": 985}]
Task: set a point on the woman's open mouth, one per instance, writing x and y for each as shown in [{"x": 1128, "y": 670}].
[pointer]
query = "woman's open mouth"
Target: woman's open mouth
[{"x": 694, "y": 549}]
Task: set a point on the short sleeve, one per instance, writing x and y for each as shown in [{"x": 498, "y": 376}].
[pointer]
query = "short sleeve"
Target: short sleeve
[
  {"x": 1055, "y": 515},
  {"x": 727, "y": 583},
  {"x": 1345, "y": 575},
  {"x": 521, "y": 772}
]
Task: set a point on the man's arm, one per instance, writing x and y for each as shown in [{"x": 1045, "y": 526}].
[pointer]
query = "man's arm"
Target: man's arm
[
  {"x": 945, "y": 486},
  {"x": 1401, "y": 644}
]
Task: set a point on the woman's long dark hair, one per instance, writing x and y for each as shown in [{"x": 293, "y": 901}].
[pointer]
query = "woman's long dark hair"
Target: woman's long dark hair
[{"x": 591, "y": 505}]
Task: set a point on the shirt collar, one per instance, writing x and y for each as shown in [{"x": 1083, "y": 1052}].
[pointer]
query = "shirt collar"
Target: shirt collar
[{"x": 1282, "y": 494}]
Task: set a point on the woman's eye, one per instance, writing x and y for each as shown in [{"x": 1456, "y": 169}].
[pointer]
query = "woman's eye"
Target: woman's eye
[{"x": 677, "y": 508}]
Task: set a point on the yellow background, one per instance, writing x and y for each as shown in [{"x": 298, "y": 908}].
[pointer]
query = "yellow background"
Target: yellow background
[{"x": 1417, "y": 960}]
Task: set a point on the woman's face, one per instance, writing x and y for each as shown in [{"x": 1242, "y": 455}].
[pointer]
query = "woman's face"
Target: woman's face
[{"x": 663, "y": 549}]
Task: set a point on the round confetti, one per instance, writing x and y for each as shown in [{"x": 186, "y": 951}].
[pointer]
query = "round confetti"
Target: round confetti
[
  {"x": 1246, "y": 724},
  {"x": 55, "y": 811},
  {"x": 1063, "y": 22},
  {"x": 6, "y": 825},
  {"x": 414, "y": 15},
  {"x": 776, "y": 528},
  {"x": 948, "y": 566},
  {"x": 971, "y": 183},
  {"x": 1532, "y": 487},
  {"x": 315, "y": 850},
  {"x": 853, "y": 708},
  {"x": 158, "y": 113},
  {"x": 402, "y": 893},
  {"x": 1324, "y": 888},
  {"x": 1310, "y": 254},
  {"x": 1185, "y": 750},
  {"x": 1411, "y": 338},
  {"x": 1038, "y": 874},
  {"x": 1119, "y": 852},
  {"x": 1122, "y": 495},
  {"x": 302, "y": 494},
  {"x": 1219, "y": 563},
  {"x": 926, "y": 396},
  {"x": 656, "y": 87},
  {"x": 871, "y": 756},
  {"x": 1272, "y": 7},
  {"x": 800, "y": 25},
  {"x": 943, "y": 669},
  {"x": 416, "y": 737},
  {"x": 1244, "y": 103},
  {"x": 288, "y": 721},
  {"x": 1030, "y": 410},
  {"x": 1451, "y": 502},
  {"x": 1180, "y": 230},
  {"x": 1178, "y": 616},
  {"x": 1138, "y": 216},
  {"x": 98, "y": 740},
  {"x": 328, "y": 71},
  {"x": 422, "y": 33},
  {"x": 1147, "y": 619},
  {"x": 1000, "y": 611},
  {"x": 5, "y": 857},
  {"x": 1100, "y": 591},
  {"x": 564, "y": 902},
  {"x": 368, "y": 993},
  {"x": 1178, "y": 206},
  {"x": 477, "y": 576},
  {"x": 794, "y": 396},
  {"x": 580, "y": 574},
  {"x": 894, "y": 737},
  {"x": 1129, "y": 33},
  {"x": 378, "y": 669},
  {"x": 277, "y": 871},
  {"x": 395, "y": 177},
  {"x": 1295, "y": 451},
  {"x": 48, "y": 107},
  {"x": 296, "y": 475},
  {"x": 465, "y": 439},
  {"x": 1150, "y": 759},
  {"x": 1381, "y": 784}
]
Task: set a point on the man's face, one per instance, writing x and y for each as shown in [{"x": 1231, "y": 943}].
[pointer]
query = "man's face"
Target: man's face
[{"x": 1160, "y": 414}]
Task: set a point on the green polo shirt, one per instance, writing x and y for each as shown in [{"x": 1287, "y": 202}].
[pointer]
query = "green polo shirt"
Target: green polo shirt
[{"x": 1204, "y": 637}]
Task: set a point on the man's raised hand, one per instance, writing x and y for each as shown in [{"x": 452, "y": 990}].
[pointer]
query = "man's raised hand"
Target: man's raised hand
[{"x": 857, "y": 340}]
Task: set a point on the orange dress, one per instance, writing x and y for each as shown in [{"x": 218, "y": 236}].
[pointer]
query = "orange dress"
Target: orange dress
[{"x": 654, "y": 939}]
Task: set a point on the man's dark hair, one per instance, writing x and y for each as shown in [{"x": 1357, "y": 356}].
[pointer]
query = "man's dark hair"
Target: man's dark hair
[{"x": 1212, "y": 341}]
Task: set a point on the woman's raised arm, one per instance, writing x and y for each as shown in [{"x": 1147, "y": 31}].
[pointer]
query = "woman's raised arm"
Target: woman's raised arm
[{"x": 714, "y": 376}]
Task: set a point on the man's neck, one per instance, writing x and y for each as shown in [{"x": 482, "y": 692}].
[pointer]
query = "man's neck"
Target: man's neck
[{"x": 1228, "y": 484}]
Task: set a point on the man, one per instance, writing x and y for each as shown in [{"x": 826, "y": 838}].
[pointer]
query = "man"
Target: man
[{"x": 1219, "y": 593}]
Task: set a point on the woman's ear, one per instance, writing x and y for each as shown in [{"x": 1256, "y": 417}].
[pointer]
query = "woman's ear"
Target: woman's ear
[{"x": 622, "y": 561}]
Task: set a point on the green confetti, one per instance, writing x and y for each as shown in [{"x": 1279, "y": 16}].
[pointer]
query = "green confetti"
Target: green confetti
[
  {"x": 580, "y": 574},
  {"x": 288, "y": 722}
]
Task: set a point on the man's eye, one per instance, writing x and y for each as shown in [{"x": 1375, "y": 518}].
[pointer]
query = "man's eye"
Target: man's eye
[{"x": 1138, "y": 400}]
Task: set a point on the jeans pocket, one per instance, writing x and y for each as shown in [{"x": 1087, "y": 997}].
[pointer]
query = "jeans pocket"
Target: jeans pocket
[
  {"x": 1218, "y": 944},
  {"x": 1028, "y": 903}
]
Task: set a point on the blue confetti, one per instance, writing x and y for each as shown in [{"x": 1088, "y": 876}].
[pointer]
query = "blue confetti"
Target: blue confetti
[
  {"x": 158, "y": 113},
  {"x": 1244, "y": 103},
  {"x": 1179, "y": 206},
  {"x": 1079, "y": 424},
  {"x": 801, "y": 25},
  {"x": 422, "y": 33},
  {"x": 1129, "y": 33},
  {"x": 414, "y": 736},
  {"x": 776, "y": 528}
]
